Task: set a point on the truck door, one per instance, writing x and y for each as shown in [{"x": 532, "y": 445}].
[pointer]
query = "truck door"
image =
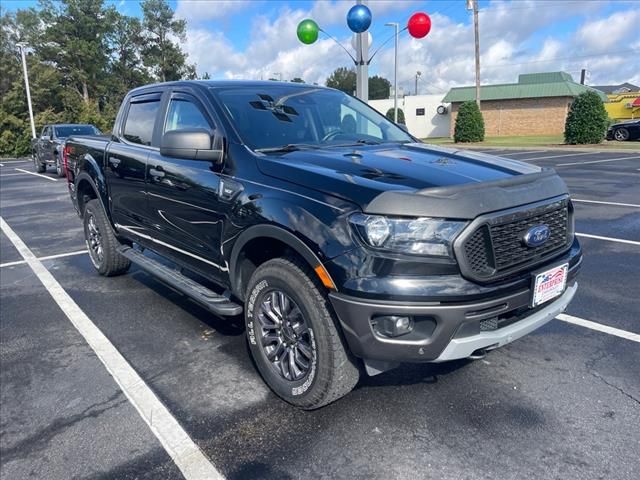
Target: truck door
[
  {"x": 125, "y": 164},
  {"x": 44, "y": 145},
  {"x": 184, "y": 206}
]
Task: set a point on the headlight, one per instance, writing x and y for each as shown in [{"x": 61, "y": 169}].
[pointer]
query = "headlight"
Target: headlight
[{"x": 416, "y": 236}]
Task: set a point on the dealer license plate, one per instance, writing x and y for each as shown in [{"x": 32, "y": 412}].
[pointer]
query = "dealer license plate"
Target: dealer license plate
[{"x": 549, "y": 284}]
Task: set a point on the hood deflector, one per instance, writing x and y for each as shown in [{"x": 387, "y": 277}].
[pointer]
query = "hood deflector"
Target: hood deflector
[{"x": 467, "y": 201}]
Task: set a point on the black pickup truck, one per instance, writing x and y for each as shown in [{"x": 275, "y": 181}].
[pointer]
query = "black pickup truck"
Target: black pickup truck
[
  {"x": 349, "y": 245},
  {"x": 48, "y": 148}
]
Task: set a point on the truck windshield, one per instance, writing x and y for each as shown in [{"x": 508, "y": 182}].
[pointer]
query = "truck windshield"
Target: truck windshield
[
  {"x": 69, "y": 130},
  {"x": 269, "y": 117}
]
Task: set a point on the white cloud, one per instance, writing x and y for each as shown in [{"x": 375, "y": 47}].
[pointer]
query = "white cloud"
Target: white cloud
[
  {"x": 446, "y": 57},
  {"x": 610, "y": 33}
]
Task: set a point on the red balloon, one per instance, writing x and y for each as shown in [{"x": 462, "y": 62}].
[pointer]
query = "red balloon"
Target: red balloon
[{"x": 419, "y": 25}]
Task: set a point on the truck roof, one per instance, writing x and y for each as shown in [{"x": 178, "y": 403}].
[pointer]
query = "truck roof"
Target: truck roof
[{"x": 226, "y": 84}]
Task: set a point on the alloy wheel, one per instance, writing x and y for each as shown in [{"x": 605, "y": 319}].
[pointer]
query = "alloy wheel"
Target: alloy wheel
[
  {"x": 285, "y": 336},
  {"x": 94, "y": 241}
]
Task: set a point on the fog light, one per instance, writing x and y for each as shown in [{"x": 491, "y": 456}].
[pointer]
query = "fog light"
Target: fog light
[{"x": 392, "y": 326}]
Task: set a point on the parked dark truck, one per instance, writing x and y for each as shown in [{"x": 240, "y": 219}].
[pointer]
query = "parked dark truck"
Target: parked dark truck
[
  {"x": 48, "y": 148},
  {"x": 348, "y": 245}
]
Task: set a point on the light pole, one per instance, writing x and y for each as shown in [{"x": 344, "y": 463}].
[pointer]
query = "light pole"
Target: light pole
[
  {"x": 22, "y": 47},
  {"x": 396, "y": 25},
  {"x": 418, "y": 75},
  {"x": 473, "y": 5}
]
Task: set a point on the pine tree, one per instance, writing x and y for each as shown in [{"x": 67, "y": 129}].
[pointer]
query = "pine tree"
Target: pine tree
[
  {"x": 587, "y": 120},
  {"x": 469, "y": 124}
]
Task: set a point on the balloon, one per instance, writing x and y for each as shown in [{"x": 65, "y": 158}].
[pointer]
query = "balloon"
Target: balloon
[
  {"x": 419, "y": 25},
  {"x": 359, "y": 18},
  {"x": 368, "y": 40},
  {"x": 308, "y": 31}
]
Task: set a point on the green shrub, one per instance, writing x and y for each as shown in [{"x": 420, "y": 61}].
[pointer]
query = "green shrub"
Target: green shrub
[
  {"x": 391, "y": 116},
  {"x": 586, "y": 121},
  {"x": 469, "y": 124}
]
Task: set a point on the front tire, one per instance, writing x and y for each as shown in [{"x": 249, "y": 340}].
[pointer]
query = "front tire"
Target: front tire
[
  {"x": 102, "y": 242},
  {"x": 59, "y": 167},
  {"x": 621, "y": 134},
  {"x": 293, "y": 336}
]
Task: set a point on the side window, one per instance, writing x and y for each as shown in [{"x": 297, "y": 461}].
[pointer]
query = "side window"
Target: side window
[
  {"x": 46, "y": 132},
  {"x": 141, "y": 118},
  {"x": 184, "y": 114}
]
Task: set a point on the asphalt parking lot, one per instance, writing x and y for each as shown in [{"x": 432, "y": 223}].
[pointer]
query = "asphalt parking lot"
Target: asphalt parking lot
[{"x": 563, "y": 402}]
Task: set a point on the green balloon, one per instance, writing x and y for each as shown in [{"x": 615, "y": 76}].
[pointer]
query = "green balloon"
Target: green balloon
[{"x": 308, "y": 31}]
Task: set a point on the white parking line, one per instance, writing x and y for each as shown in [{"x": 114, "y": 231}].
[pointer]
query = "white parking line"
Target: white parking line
[
  {"x": 608, "y": 239},
  {"x": 564, "y": 155},
  {"x": 191, "y": 461},
  {"x": 634, "y": 337},
  {"x": 526, "y": 153},
  {"x": 48, "y": 257},
  {"x": 36, "y": 174},
  {"x": 597, "y": 161},
  {"x": 605, "y": 203},
  {"x": 11, "y": 174}
]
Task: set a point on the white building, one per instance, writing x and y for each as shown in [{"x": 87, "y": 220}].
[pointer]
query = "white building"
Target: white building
[{"x": 421, "y": 114}]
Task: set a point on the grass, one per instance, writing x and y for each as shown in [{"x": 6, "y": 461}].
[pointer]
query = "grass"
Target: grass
[{"x": 532, "y": 141}]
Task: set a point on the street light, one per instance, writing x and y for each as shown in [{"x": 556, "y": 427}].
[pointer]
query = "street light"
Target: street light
[
  {"x": 418, "y": 75},
  {"x": 395, "y": 25},
  {"x": 22, "y": 46}
]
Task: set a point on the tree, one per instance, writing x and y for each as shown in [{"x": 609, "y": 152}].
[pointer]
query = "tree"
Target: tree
[
  {"x": 343, "y": 79},
  {"x": 391, "y": 115},
  {"x": 161, "y": 53},
  {"x": 586, "y": 121},
  {"x": 379, "y": 88},
  {"x": 74, "y": 41},
  {"x": 297, "y": 80},
  {"x": 469, "y": 124}
]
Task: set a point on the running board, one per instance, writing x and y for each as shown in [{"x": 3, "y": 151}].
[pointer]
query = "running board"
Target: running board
[{"x": 212, "y": 301}]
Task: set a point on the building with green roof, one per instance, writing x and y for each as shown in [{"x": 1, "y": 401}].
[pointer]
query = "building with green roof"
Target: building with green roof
[{"x": 537, "y": 105}]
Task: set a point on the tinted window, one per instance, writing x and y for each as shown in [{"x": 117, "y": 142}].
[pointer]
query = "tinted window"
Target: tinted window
[
  {"x": 68, "y": 130},
  {"x": 140, "y": 121},
  {"x": 184, "y": 114},
  {"x": 313, "y": 116}
]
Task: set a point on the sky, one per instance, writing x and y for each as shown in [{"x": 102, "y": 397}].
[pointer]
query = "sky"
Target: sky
[{"x": 254, "y": 39}]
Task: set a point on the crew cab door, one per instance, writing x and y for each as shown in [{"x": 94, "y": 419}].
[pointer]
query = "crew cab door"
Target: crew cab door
[
  {"x": 45, "y": 145},
  {"x": 186, "y": 211},
  {"x": 125, "y": 164}
]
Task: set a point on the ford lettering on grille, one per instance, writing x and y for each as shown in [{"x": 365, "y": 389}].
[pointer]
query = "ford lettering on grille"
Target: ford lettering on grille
[{"x": 537, "y": 236}]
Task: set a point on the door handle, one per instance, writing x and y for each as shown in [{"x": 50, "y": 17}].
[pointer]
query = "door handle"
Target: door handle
[
  {"x": 114, "y": 161},
  {"x": 156, "y": 172}
]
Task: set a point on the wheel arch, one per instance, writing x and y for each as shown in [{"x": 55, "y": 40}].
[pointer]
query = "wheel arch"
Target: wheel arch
[{"x": 273, "y": 242}]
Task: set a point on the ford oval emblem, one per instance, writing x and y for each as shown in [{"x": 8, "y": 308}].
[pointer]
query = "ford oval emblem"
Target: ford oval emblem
[{"x": 537, "y": 236}]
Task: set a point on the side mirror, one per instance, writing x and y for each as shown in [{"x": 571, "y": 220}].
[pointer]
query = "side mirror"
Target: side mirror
[
  {"x": 190, "y": 144},
  {"x": 45, "y": 137}
]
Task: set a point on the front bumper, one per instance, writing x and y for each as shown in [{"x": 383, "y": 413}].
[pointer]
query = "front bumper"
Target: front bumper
[{"x": 445, "y": 331}]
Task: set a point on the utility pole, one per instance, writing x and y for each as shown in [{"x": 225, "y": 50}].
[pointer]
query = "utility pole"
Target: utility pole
[
  {"x": 583, "y": 74},
  {"x": 418, "y": 75},
  {"x": 473, "y": 4},
  {"x": 22, "y": 47},
  {"x": 396, "y": 26},
  {"x": 362, "y": 64}
]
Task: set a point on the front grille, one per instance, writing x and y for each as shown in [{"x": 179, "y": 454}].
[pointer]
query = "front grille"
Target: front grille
[{"x": 496, "y": 247}]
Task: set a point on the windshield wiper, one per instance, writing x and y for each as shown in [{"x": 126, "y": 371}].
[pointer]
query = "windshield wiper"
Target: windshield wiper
[{"x": 290, "y": 147}]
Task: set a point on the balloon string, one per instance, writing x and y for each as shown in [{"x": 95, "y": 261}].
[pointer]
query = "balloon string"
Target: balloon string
[
  {"x": 341, "y": 46},
  {"x": 384, "y": 43}
]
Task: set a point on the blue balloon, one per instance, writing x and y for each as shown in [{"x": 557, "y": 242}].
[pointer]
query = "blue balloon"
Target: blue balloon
[{"x": 359, "y": 18}]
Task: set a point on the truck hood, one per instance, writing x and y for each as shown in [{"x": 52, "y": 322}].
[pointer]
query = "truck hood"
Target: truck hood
[{"x": 361, "y": 174}]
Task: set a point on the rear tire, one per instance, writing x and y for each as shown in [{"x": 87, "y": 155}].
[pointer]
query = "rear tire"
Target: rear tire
[
  {"x": 292, "y": 332},
  {"x": 102, "y": 242},
  {"x": 40, "y": 167}
]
